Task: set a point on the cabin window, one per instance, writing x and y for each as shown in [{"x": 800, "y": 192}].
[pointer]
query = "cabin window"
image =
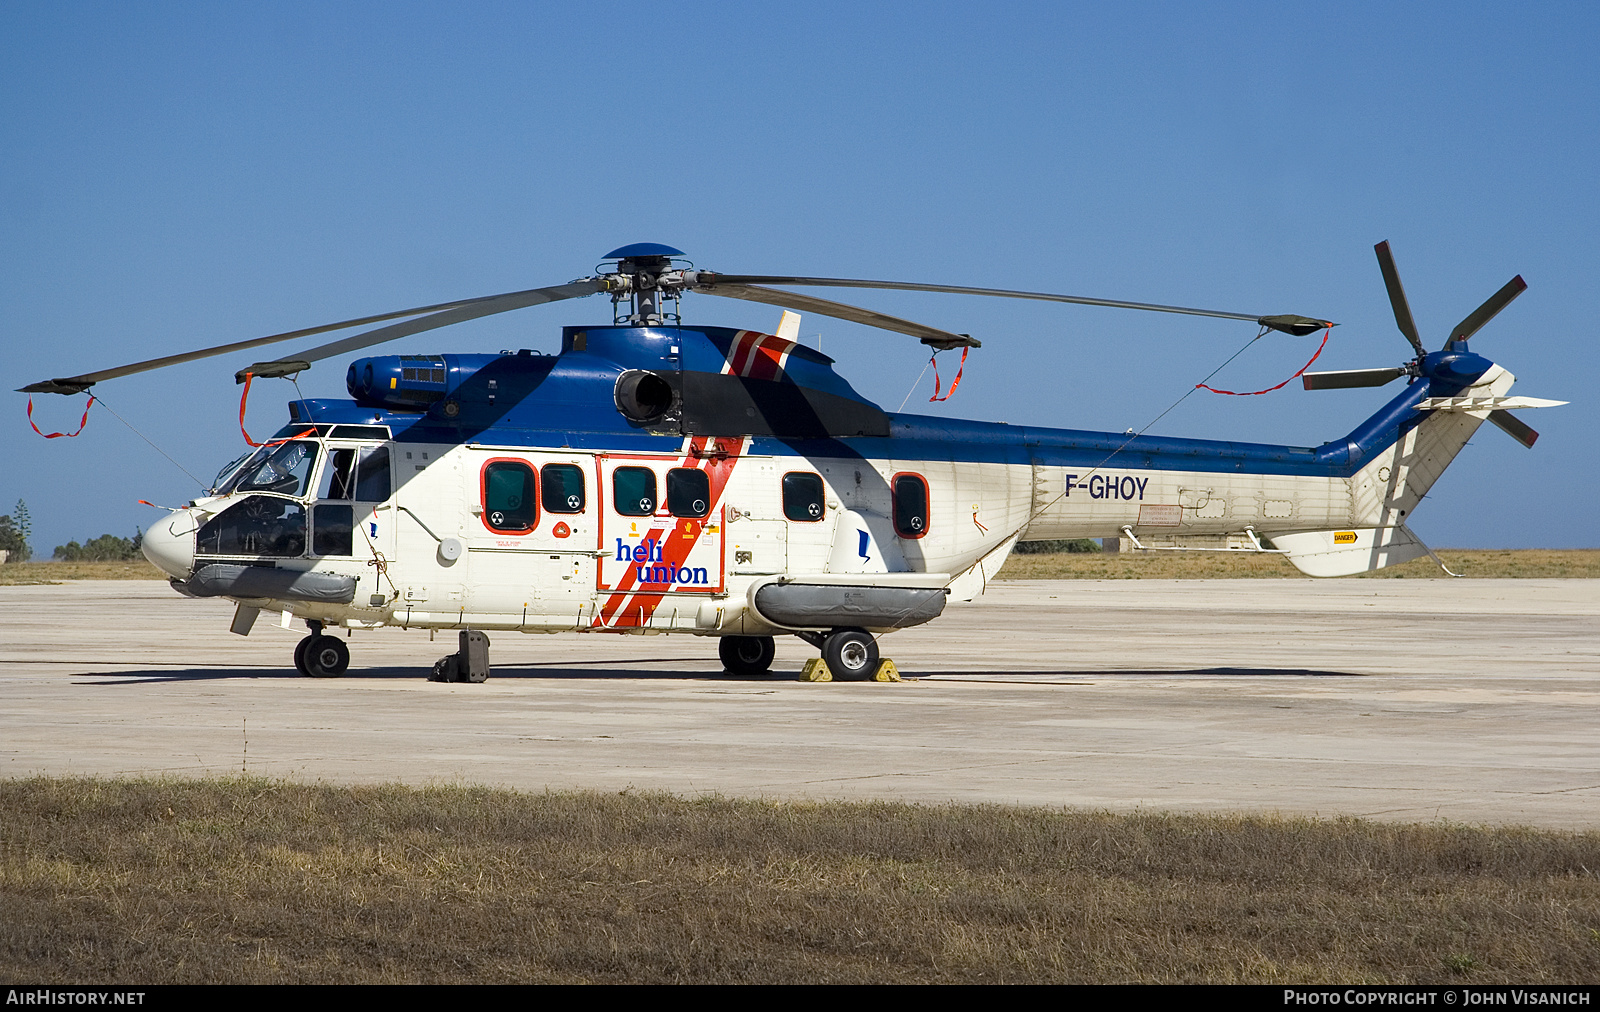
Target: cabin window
[
  {"x": 508, "y": 502},
  {"x": 332, "y": 530},
  {"x": 633, "y": 489},
  {"x": 372, "y": 477},
  {"x": 688, "y": 492},
  {"x": 802, "y": 496},
  {"x": 910, "y": 505},
  {"x": 561, "y": 487},
  {"x": 258, "y": 526}
]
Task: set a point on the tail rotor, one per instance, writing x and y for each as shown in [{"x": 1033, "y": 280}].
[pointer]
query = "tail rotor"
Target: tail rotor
[{"x": 1440, "y": 365}]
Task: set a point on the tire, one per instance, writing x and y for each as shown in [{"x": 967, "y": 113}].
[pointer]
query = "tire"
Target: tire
[
  {"x": 326, "y": 657},
  {"x": 746, "y": 656},
  {"x": 851, "y": 655},
  {"x": 300, "y": 654}
]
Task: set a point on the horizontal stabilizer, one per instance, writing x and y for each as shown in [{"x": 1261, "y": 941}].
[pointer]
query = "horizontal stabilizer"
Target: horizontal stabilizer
[
  {"x": 1484, "y": 403},
  {"x": 1347, "y": 552},
  {"x": 1345, "y": 378}
]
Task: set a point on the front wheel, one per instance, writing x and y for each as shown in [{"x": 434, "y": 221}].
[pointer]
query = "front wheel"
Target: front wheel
[
  {"x": 326, "y": 657},
  {"x": 746, "y": 655},
  {"x": 851, "y": 654}
]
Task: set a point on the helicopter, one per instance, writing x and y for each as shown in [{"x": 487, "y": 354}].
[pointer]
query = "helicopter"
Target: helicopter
[{"x": 656, "y": 476}]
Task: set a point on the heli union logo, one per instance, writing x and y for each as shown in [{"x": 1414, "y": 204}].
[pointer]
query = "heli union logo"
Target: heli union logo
[{"x": 652, "y": 568}]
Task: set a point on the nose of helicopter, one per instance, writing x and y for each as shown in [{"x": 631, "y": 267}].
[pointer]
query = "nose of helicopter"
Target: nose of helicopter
[{"x": 169, "y": 544}]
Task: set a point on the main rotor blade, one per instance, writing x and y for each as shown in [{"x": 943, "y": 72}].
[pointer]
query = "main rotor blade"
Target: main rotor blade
[
  {"x": 1486, "y": 312},
  {"x": 1397, "y": 296},
  {"x": 77, "y": 384},
  {"x": 478, "y": 308},
  {"x": 1514, "y": 427},
  {"x": 931, "y": 336},
  {"x": 1343, "y": 379},
  {"x": 708, "y": 281}
]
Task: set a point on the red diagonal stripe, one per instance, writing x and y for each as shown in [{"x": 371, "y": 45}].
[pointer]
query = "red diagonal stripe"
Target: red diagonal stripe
[{"x": 636, "y": 612}]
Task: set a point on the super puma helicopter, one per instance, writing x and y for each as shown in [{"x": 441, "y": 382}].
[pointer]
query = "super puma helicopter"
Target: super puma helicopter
[{"x": 657, "y": 477}]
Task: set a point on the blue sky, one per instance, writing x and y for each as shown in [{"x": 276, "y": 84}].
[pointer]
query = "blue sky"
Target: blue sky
[{"x": 178, "y": 175}]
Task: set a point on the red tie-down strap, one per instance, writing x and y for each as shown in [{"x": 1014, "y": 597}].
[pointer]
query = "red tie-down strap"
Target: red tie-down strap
[
  {"x": 57, "y": 435},
  {"x": 1280, "y": 386},
  {"x": 244, "y": 398},
  {"x": 953, "y": 383}
]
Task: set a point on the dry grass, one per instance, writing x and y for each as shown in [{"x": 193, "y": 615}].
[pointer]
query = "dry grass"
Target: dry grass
[
  {"x": 54, "y": 572},
  {"x": 257, "y": 881},
  {"x": 1529, "y": 563}
]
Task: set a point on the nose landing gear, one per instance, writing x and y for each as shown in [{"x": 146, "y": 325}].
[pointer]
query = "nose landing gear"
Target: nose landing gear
[
  {"x": 319, "y": 655},
  {"x": 746, "y": 656}
]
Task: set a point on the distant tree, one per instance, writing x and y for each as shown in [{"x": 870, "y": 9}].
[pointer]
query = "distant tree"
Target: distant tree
[
  {"x": 12, "y": 541},
  {"x": 105, "y": 548},
  {"x": 1052, "y": 547}
]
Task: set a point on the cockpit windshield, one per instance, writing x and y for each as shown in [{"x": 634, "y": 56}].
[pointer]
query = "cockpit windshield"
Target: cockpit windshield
[
  {"x": 231, "y": 470},
  {"x": 286, "y": 469}
]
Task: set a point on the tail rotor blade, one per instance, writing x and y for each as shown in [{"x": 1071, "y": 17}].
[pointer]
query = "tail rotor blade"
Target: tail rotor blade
[
  {"x": 1514, "y": 427},
  {"x": 1397, "y": 297},
  {"x": 1486, "y": 312},
  {"x": 1346, "y": 378}
]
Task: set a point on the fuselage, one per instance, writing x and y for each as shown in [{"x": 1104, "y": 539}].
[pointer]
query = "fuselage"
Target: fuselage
[{"x": 654, "y": 479}]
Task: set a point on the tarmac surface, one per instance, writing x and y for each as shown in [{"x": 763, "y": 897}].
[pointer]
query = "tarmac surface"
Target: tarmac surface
[{"x": 1415, "y": 700}]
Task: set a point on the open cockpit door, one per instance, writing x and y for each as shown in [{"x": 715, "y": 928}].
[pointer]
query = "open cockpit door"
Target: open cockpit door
[{"x": 357, "y": 477}]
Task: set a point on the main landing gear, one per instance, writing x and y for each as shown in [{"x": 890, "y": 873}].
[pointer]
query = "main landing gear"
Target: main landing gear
[
  {"x": 850, "y": 655},
  {"x": 319, "y": 655}
]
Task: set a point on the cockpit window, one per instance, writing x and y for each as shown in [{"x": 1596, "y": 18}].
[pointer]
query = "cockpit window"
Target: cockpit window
[
  {"x": 286, "y": 470},
  {"x": 338, "y": 475},
  {"x": 259, "y": 526},
  {"x": 372, "y": 477},
  {"x": 342, "y": 478}
]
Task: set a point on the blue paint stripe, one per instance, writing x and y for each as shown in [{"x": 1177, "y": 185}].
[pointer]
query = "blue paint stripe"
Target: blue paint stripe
[{"x": 924, "y": 437}]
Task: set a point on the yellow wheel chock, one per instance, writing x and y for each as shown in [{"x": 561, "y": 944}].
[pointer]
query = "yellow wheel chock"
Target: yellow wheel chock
[{"x": 816, "y": 670}]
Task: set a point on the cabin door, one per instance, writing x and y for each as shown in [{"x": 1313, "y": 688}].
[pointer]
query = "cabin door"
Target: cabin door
[{"x": 661, "y": 527}]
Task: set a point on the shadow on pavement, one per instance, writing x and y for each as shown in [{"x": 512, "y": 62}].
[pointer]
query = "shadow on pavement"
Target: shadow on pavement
[{"x": 633, "y": 670}]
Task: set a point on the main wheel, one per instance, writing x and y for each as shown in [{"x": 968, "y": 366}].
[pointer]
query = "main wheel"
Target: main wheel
[
  {"x": 746, "y": 655},
  {"x": 300, "y": 654},
  {"x": 851, "y": 654},
  {"x": 326, "y": 657}
]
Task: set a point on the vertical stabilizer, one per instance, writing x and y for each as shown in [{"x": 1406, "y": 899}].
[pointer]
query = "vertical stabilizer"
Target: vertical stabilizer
[{"x": 1388, "y": 487}]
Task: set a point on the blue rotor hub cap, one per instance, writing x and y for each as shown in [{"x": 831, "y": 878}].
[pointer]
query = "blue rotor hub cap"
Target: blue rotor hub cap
[{"x": 643, "y": 249}]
